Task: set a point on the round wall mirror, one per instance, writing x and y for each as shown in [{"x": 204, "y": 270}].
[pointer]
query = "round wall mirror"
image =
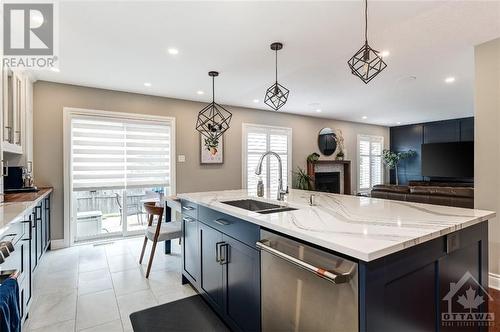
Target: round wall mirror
[{"x": 327, "y": 141}]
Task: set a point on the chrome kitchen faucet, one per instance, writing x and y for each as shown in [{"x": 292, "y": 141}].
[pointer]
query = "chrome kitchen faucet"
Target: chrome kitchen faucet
[{"x": 258, "y": 171}]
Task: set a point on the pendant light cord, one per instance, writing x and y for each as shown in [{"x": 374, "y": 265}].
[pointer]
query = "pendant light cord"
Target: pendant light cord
[
  {"x": 276, "y": 67},
  {"x": 366, "y": 21},
  {"x": 213, "y": 89}
]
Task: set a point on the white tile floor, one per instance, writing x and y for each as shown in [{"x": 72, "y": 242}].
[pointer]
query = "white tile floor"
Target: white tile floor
[{"x": 96, "y": 288}]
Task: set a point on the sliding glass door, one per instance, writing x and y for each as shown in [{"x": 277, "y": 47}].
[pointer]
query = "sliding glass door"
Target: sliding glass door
[{"x": 117, "y": 164}]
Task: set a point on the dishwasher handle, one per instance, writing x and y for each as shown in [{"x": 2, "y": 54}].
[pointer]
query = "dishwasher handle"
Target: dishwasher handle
[{"x": 334, "y": 277}]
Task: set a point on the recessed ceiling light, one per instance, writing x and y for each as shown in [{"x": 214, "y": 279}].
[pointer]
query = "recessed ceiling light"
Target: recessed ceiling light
[
  {"x": 147, "y": 84},
  {"x": 364, "y": 117},
  {"x": 173, "y": 51},
  {"x": 200, "y": 92},
  {"x": 55, "y": 69},
  {"x": 385, "y": 53},
  {"x": 318, "y": 110},
  {"x": 450, "y": 79},
  {"x": 399, "y": 122},
  {"x": 256, "y": 101}
]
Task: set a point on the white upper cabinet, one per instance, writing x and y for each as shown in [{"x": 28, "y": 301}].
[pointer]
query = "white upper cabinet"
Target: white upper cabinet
[{"x": 17, "y": 112}]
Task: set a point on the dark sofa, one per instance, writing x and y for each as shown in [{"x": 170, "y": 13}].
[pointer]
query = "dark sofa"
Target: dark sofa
[{"x": 450, "y": 194}]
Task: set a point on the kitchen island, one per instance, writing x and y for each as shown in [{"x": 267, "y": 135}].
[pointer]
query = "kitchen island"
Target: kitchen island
[{"x": 404, "y": 259}]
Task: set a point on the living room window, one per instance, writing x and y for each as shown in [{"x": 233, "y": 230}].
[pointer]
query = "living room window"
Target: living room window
[
  {"x": 258, "y": 139},
  {"x": 370, "y": 170}
]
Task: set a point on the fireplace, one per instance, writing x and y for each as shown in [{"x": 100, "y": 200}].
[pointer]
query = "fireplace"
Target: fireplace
[
  {"x": 331, "y": 176},
  {"x": 328, "y": 182}
]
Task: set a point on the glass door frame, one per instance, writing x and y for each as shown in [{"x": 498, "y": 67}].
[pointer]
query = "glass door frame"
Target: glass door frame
[{"x": 69, "y": 208}]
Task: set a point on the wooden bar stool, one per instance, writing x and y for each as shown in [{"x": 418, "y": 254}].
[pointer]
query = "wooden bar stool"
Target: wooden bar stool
[{"x": 159, "y": 232}]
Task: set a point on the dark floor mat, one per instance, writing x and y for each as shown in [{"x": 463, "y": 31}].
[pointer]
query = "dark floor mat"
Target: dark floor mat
[{"x": 189, "y": 314}]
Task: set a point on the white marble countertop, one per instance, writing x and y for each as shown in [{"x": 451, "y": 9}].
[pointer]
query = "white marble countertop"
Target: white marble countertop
[
  {"x": 12, "y": 211},
  {"x": 360, "y": 227}
]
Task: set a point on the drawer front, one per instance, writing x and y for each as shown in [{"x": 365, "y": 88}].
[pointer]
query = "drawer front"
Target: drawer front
[
  {"x": 189, "y": 209},
  {"x": 241, "y": 230}
]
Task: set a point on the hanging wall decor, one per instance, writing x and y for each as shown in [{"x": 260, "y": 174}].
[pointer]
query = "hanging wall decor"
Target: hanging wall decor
[
  {"x": 367, "y": 62},
  {"x": 213, "y": 119},
  {"x": 211, "y": 150},
  {"x": 276, "y": 94}
]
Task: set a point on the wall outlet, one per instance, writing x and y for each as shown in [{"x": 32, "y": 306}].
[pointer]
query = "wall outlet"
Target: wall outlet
[{"x": 181, "y": 158}]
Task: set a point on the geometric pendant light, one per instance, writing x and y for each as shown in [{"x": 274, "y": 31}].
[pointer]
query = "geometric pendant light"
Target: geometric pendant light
[
  {"x": 366, "y": 63},
  {"x": 276, "y": 94},
  {"x": 213, "y": 119}
]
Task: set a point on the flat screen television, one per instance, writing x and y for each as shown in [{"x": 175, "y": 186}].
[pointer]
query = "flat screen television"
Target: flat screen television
[{"x": 448, "y": 160}]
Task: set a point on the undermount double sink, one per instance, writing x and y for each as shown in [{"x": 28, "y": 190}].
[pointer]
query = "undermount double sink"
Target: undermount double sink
[{"x": 258, "y": 206}]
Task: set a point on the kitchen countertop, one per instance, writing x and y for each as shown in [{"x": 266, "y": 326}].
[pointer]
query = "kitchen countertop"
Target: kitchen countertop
[
  {"x": 361, "y": 227},
  {"x": 16, "y": 205}
]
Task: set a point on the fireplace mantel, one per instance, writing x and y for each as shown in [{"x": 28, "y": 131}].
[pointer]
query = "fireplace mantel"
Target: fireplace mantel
[{"x": 346, "y": 170}]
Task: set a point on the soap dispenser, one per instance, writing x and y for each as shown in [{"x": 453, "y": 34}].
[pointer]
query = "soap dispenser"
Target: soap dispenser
[{"x": 260, "y": 187}]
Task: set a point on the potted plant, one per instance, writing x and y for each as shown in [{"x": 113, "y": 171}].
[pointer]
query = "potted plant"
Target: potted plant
[
  {"x": 340, "y": 145},
  {"x": 302, "y": 179},
  {"x": 392, "y": 159},
  {"x": 311, "y": 159}
]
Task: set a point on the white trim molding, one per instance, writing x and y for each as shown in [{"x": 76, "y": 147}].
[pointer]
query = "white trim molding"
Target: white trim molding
[
  {"x": 494, "y": 281},
  {"x": 58, "y": 244}
]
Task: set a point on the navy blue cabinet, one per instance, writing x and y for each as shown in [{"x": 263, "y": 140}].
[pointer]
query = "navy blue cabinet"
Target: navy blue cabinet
[
  {"x": 221, "y": 262},
  {"x": 403, "y": 139},
  {"x": 242, "y": 285},
  {"x": 407, "y": 291},
  {"x": 467, "y": 130},
  {"x": 190, "y": 248},
  {"x": 411, "y": 137},
  {"x": 211, "y": 268},
  {"x": 442, "y": 131}
]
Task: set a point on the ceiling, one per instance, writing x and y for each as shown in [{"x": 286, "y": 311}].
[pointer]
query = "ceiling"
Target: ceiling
[{"x": 122, "y": 45}]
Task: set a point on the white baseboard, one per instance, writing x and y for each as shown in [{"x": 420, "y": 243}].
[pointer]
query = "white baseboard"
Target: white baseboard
[
  {"x": 494, "y": 281},
  {"x": 58, "y": 244}
]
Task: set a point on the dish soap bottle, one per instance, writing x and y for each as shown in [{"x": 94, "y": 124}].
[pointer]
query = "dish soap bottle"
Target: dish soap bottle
[{"x": 260, "y": 188}]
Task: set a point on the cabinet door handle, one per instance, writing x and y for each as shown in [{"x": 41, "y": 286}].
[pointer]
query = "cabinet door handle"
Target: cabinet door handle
[
  {"x": 188, "y": 208},
  {"x": 217, "y": 251},
  {"x": 187, "y": 219},
  {"x": 332, "y": 276},
  {"x": 222, "y": 222},
  {"x": 224, "y": 248},
  {"x": 5, "y": 168},
  {"x": 9, "y": 134},
  {"x": 17, "y": 137}
]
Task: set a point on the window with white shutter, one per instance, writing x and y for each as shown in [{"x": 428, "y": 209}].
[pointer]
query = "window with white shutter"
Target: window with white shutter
[
  {"x": 370, "y": 170},
  {"x": 119, "y": 153},
  {"x": 258, "y": 139}
]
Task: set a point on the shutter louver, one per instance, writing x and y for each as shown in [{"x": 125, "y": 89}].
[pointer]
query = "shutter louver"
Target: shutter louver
[
  {"x": 370, "y": 161},
  {"x": 260, "y": 139}
]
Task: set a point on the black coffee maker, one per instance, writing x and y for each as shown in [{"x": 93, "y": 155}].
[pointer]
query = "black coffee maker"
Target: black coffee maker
[{"x": 19, "y": 179}]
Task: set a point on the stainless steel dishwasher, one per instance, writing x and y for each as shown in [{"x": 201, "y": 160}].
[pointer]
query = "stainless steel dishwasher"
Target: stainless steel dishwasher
[{"x": 306, "y": 289}]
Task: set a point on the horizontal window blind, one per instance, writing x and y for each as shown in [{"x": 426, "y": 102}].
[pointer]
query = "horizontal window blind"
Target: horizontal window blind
[
  {"x": 370, "y": 170},
  {"x": 258, "y": 140},
  {"x": 117, "y": 153}
]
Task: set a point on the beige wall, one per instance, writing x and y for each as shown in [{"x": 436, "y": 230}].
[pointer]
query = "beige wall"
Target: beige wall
[
  {"x": 50, "y": 98},
  {"x": 487, "y": 140}
]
